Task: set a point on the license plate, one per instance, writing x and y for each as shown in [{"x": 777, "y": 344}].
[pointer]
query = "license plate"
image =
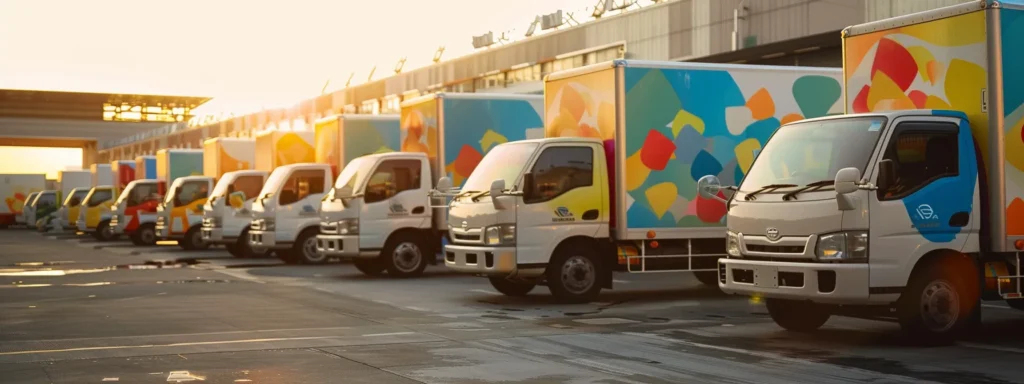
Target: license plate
[{"x": 766, "y": 277}]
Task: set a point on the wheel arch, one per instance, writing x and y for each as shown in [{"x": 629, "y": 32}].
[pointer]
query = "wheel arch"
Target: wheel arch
[
  {"x": 953, "y": 259},
  {"x": 594, "y": 246}
]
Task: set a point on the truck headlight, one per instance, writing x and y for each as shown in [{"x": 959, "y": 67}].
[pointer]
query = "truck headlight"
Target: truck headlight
[
  {"x": 843, "y": 247},
  {"x": 348, "y": 226},
  {"x": 732, "y": 244},
  {"x": 503, "y": 234}
]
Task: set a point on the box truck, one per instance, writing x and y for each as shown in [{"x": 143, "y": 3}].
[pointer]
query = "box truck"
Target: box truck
[
  {"x": 94, "y": 217},
  {"x": 187, "y": 191},
  {"x": 71, "y": 182},
  {"x": 145, "y": 167},
  {"x": 911, "y": 207},
  {"x": 123, "y": 173},
  {"x": 15, "y": 190},
  {"x": 285, "y": 213},
  {"x": 26, "y": 208},
  {"x": 43, "y": 207},
  {"x": 610, "y": 187},
  {"x": 70, "y": 208},
  {"x": 384, "y": 219},
  {"x": 228, "y": 212}
]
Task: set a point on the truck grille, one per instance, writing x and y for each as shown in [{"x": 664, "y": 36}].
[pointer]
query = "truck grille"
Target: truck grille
[
  {"x": 160, "y": 221},
  {"x": 113, "y": 220},
  {"x": 256, "y": 225},
  {"x": 328, "y": 228}
]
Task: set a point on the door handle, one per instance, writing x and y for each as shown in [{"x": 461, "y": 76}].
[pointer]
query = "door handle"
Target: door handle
[{"x": 959, "y": 219}]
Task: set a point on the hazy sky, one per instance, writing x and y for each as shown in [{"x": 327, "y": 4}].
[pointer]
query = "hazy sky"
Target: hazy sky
[{"x": 246, "y": 54}]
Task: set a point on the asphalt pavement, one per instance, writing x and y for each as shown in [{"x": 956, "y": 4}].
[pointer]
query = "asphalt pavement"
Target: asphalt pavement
[{"x": 74, "y": 310}]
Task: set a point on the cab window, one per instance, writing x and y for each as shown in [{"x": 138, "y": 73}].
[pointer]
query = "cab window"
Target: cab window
[
  {"x": 391, "y": 178},
  {"x": 249, "y": 186},
  {"x": 144, "y": 193},
  {"x": 76, "y": 198},
  {"x": 922, "y": 153},
  {"x": 100, "y": 196},
  {"x": 301, "y": 184},
  {"x": 46, "y": 200},
  {"x": 191, "y": 191},
  {"x": 559, "y": 170}
]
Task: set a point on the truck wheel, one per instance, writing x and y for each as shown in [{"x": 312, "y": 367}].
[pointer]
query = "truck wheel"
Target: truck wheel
[
  {"x": 404, "y": 255},
  {"x": 797, "y": 316},
  {"x": 241, "y": 248},
  {"x": 305, "y": 248},
  {"x": 573, "y": 275},
  {"x": 935, "y": 308},
  {"x": 104, "y": 232},
  {"x": 145, "y": 235},
  {"x": 509, "y": 287},
  {"x": 708, "y": 278},
  {"x": 193, "y": 240},
  {"x": 370, "y": 267}
]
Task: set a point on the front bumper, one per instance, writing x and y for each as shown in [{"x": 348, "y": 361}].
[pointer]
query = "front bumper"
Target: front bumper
[
  {"x": 817, "y": 282},
  {"x": 80, "y": 224},
  {"x": 480, "y": 259},
  {"x": 213, "y": 235},
  {"x": 341, "y": 246},
  {"x": 261, "y": 241},
  {"x": 118, "y": 222}
]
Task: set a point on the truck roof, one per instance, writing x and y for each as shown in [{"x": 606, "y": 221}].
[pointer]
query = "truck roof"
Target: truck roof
[
  {"x": 558, "y": 140},
  {"x": 408, "y": 155},
  {"x": 891, "y": 114},
  {"x": 471, "y": 96},
  {"x": 930, "y": 15},
  {"x": 290, "y": 167},
  {"x": 679, "y": 65}
]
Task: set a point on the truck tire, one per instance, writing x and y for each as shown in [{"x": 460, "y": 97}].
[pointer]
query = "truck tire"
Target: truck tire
[
  {"x": 797, "y": 316},
  {"x": 193, "y": 240},
  {"x": 405, "y": 255},
  {"x": 936, "y": 308},
  {"x": 241, "y": 248},
  {"x": 370, "y": 267},
  {"x": 145, "y": 235},
  {"x": 574, "y": 274},
  {"x": 509, "y": 287},
  {"x": 104, "y": 232},
  {"x": 305, "y": 248},
  {"x": 708, "y": 278}
]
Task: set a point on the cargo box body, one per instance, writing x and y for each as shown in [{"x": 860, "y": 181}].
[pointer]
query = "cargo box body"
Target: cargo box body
[
  {"x": 339, "y": 139},
  {"x": 223, "y": 155},
  {"x": 666, "y": 124},
  {"x": 277, "y": 148},
  {"x": 174, "y": 163},
  {"x": 145, "y": 167}
]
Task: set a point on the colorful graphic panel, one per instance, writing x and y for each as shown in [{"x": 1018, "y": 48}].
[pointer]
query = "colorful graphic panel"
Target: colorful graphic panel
[
  {"x": 17, "y": 188},
  {"x": 326, "y": 139},
  {"x": 472, "y": 126},
  {"x": 228, "y": 155},
  {"x": 940, "y": 64},
  {"x": 124, "y": 173},
  {"x": 145, "y": 167},
  {"x": 174, "y": 164},
  {"x": 677, "y": 132},
  {"x": 369, "y": 136},
  {"x": 419, "y": 128},
  {"x": 1012, "y": 23}
]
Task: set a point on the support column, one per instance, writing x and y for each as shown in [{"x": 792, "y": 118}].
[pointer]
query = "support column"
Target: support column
[{"x": 89, "y": 154}]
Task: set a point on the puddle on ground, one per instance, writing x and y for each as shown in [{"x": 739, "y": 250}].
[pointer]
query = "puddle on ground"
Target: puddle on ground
[
  {"x": 23, "y": 285},
  {"x": 50, "y": 272},
  {"x": 40, "y": 263}
]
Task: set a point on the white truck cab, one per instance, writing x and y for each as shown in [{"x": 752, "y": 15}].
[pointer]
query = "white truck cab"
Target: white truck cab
[
  {"x": 379, "y": 213},
  {"x": 179, "y": 216},
  {"x": 285, "y": 214},
  {"x": 228, "y": 213}
]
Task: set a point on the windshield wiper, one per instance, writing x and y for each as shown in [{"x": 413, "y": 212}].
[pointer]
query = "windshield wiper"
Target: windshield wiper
[
  {"x": 767, "y": 188},
  {"x": 808, "y": 188},
  {"x": 478, "y": 195}
]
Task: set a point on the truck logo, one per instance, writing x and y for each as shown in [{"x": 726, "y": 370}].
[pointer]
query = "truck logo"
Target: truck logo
[
  {"x": 925, "y": 212},
  {"x": 562, "y": 214},
  {"x": 773, "y": 233},
  {"x": 397, "y": 210}
]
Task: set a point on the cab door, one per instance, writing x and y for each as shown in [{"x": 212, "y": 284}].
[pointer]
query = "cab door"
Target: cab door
[
  {"x": 299, "y": 201},
  {"x": 931, "y": 203},
  {"x": 395, "y": 196},
  {"x": 568, "y": 197}
]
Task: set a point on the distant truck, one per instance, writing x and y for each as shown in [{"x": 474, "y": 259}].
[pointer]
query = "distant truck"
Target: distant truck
[
  {"x": 69, "y": 210},
  {"x": 228, "y": 212},
  {"x": 123, "y": 173},
  {"x": 134, "y": 212},
  {"x": 607, "y": 188},
  {"x": 380, "y": 211},
  {"x": 912, "y": 208},
  {"x": 284, "y": 214},
  {"x": 70, "y": 183},
  {"x": 94, "y": 217},
  {"x": 187, "y": 191},
  {"x": 14, "y": 189}
]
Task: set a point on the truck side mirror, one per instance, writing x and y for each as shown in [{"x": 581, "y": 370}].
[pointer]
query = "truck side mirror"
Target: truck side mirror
[
  {"x": 497, "y": 191},
  {"x": 444, "y": 184},
  {"x": 886, "y": 174},
  {"x": 846, "y": 180},
  {"x": 709, "y": 186}
]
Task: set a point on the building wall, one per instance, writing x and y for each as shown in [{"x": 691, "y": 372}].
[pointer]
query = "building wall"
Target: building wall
[{"x": 884, "y": 9}]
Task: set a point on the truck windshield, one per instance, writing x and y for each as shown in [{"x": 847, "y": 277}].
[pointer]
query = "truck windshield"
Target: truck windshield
[
  {"x": 505, "y": 162},
  {"x": 353, "y": 174},
  {"x": 222, "y": 187},
  {"x": 274, "y": 182},
  {"x": 804, "y": 153},
  {"x": 76, "y": 197}
]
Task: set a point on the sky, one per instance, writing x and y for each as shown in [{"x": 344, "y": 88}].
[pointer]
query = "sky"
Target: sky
[{"x": 246, "y": 54}]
